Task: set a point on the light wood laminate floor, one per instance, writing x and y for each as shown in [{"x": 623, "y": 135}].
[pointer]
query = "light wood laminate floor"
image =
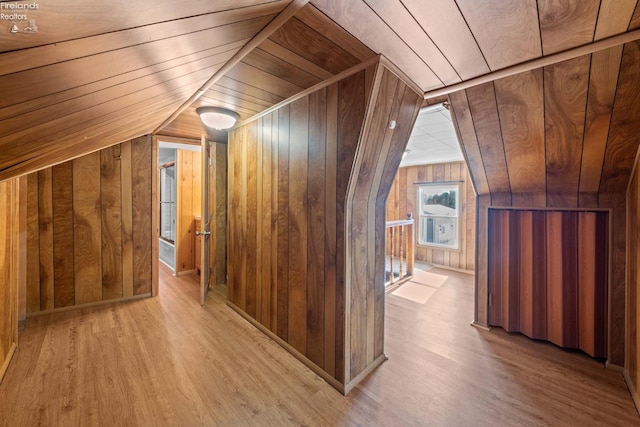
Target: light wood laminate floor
[{"x": 168, "y": 361}]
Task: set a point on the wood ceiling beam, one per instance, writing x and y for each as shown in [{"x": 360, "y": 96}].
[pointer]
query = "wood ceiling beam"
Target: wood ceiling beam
[
  {"x": 538, "y": 63},
  {"x": 264, "y": 34}
]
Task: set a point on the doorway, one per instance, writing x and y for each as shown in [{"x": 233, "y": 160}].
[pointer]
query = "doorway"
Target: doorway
[
  {"x": 430, "y": 209},
  {"x": 181, "y": 224},
  {"x": 180, "y": 183}
]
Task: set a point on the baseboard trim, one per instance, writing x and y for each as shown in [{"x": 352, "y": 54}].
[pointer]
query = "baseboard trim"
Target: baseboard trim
[
  {"x": 185, "y": 272},
  {"x": 479, "y": 326},
  {"x": 7, "y": 361},
  {"x": 614, "y": 367},
  {"x": 362, "y": 375},
  {"x": 90, "y": 304},
  {"x": 301, "y": 357},
  {"x": 632, "y": 390},
  {"x": 446, "y": 267}
]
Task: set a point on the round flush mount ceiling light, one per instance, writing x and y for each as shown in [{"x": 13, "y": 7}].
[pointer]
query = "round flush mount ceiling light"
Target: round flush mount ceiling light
[{"x": 217, "y": 117}]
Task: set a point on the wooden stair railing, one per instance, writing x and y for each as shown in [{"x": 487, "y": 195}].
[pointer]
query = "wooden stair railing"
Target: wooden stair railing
[{"x": 399, "y": 248}]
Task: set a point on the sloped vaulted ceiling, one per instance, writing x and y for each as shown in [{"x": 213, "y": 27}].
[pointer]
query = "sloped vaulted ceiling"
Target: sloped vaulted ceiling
[{"x": 98, "y": 73}]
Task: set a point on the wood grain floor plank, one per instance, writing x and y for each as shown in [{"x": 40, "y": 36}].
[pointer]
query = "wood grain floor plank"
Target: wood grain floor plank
[{"x": 462, "y": 377}]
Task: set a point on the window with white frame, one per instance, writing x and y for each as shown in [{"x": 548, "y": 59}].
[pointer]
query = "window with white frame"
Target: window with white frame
[{"x": 438, "y": 215}]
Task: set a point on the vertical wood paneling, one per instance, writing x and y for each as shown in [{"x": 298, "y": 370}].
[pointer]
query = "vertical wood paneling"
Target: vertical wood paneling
[
  {"x": 241, "y": 172},
  {"x": 298, "y": 220},
  {"x": 33, "y": 245},
  {"x": 406, "y": 110},
  {"x": 482, "y": 103},
  {"x": 616, "y": 293},
  {"x": 521, "y": 107},
  {"x": 141, "y": 190},
  {"x": 565, "y": 86},
  {"x": 45, "y": 214},
  {"x": 352, "y": 96},
  {"x": 265, "y": 192},
  {"x": 111, "y": 203},
  {"x": 603, "y": 80},
  {"x": 221, "y": 210},
  {"x": 232, "y": 218},
  {"x": 463, "y": 123},
  {"x": 6, "y": 286},
  {"x": 62, "y": 195},
  {"x": 10, "y": 230},
  {"x": 304, "y": 156},
  {"x": 330, "y": 232},
  {"x": 87, "y": 228},
  {"x": 359, "y": 270},
  {"x": 283, "y": 223},
  {"x": 470, "y": 218},
  {"x": 260, "y": 208},
  {"x": 388, "y": 101},
  {"x": 632, "y": 326},
  {"x": 251, "y": 236},
  {"x": 127, "y": 219},
  {"x": 623, "y": 144},
  {"x": 316, "y": 215},
  {"x": 275, "y": 132},
  {"x": 482, "y": 262},
  {"x": 79, "y": 226}
]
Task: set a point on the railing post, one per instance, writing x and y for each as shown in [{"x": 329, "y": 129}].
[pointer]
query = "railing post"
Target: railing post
[
  {"x": 400, "y": 275},
  {"x": 391, "y": 275},
  {"x": 410, "y": 248}
]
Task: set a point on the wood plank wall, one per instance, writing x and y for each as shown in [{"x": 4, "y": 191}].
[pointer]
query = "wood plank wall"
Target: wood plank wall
[
  {"x": 377, "y": 160},
  {"x": 89, "y": 228},
  {"x": 219, "y": 150},
  {"x": 10, "y": 227},
  {"x": 403, "y": 199},
  {"x": 188, "y": 206},
  {"x": 290, "y": 264},
  {"x": 632, "y": 359},
  {"x": 294, "y": 290},
  {"x": 562, "y": 136},
  {"x": 548, "y": 276}
]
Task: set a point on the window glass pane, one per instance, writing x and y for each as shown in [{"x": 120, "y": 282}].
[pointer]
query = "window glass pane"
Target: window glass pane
[
  {"x": 438, "y": 201},
  {"x": 438, "y": 222},
  {"x": 167, "y": 203}
]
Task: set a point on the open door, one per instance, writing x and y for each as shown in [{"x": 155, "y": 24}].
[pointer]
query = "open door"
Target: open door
[{"x": 207, "y": 217}]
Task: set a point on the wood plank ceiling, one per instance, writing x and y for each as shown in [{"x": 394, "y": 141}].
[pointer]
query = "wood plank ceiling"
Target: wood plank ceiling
[
  {"x": 93, "y": 76},
  {"x": 440, "y": 43},
  {"x": 101, "y": 73},
  {"x": 558, "y": 136},
  {"x": 306, "y": 50}
]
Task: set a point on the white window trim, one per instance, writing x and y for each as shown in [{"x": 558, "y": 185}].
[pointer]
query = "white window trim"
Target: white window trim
[{"x": 439, "y": 185}]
